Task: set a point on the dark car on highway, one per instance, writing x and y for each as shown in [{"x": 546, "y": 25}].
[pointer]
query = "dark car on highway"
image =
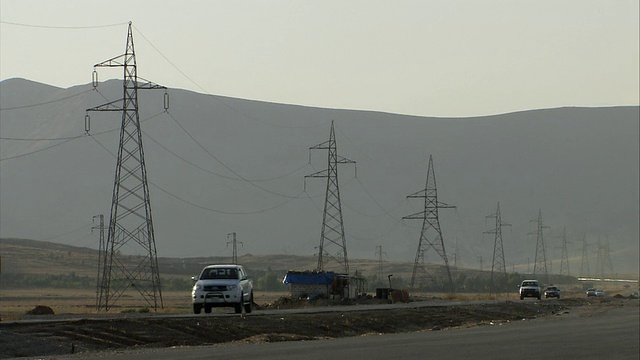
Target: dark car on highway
[{"x": 552, "y": 291}]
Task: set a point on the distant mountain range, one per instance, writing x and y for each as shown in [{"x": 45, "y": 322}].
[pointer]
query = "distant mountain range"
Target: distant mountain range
[{"x": 219, "y": 165}]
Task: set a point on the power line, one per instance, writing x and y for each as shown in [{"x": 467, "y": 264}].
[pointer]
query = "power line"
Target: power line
[
  {"x": 201, "y": 206},
  {"x": 41, "y": 139},
  {"x": 44, "y": 103},
  {"x": 225, "y": 165},
  {"x": 215, "y": 173},
  {"x": 39, "y": 150},
  {"x": 61, "y": 27},
  {"x": 67, "y": 233},
  {"x": 67, "y": 139},
  {"x": 232, "y": 108}
]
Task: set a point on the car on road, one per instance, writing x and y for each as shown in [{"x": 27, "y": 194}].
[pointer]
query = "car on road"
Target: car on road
[
  {"x": 552, "y": 291},
  {"x": 530, "y": 288},
  {"x": 591, "y": 292},
  {"x": 222, "y": 286},
  {"x": 600, "y": 293}
]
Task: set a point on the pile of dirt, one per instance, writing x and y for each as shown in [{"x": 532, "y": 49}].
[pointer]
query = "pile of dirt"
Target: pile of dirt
[{"x": 41, "y": 310}]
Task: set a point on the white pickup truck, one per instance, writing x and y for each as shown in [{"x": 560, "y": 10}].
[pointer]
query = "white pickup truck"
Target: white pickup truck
[
  {"x": 530, "y": 288},
  {"x": 222, "y": 286}
]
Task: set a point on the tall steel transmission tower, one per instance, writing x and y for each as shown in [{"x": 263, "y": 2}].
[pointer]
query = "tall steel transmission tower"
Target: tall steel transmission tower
[
  {"x": 130, "y": 225},
  {"x": 431, "y": 234},
  {"x": 234, "y": 242},
  {"x": 585, "y": 258},
  {"x": 101, "y": 254},
  {"x": 603, "y": 260},
  {"x": 540, "y": 262},
  {"x": 564, "y": 257},
  {"x": 333, "y": 246},
  {"x": 498, "y": 266},
  {"x": 379, "y": 254}
]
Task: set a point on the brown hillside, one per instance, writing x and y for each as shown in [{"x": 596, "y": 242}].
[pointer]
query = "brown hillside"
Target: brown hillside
[{"x": 25, "y": 256}]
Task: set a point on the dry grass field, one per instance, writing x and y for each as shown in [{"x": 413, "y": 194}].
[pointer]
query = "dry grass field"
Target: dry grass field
[
  {"x": 35, "y": 258},
  {"x": 14, "y": 304}
]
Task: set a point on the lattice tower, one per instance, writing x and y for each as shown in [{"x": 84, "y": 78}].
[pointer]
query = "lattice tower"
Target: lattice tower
[
  {"x": 332, "y": 251},
  {"x": 564, "y": 257},
  {"x": 540, "y": 262},
  {"x": 130, "y": 252},
  {"x": 584, "y": 263},
  {"x": 498, "y": 265},
  {"x": 431, "y": 234}
]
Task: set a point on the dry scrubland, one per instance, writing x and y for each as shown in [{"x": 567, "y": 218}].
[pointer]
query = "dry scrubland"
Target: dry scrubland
[
  {"x": 37, "y": 258},
  {"x": 14, "y": 304},
  {"x": 79, "y": 328}
]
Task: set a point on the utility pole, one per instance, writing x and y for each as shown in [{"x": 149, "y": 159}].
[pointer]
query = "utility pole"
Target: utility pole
[
  {"x": 431, "y": 234},
  {"x": 234, "y": 258},
  {"x": 457, "y": 261},
  {"x": 603, "y": 260},
  {"x": 498, "y": 265},
  {"x": 540, "y": 262},
  {"x": 564, "y": 257},
  {"x": 130, "y": 224},
  {"x": 584, "y": 264},
  {"x": 607, "y": 257},
  {"x": 480, "y": 260},
  {"x": 101, "y": 254},
  {"x": 333, "y": 245},
  {"x": 379, "y": 254}
]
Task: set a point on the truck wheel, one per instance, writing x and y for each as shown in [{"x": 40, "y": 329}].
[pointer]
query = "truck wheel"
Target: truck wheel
[
  {"x": 249, "y": 307},
  {"x": 238, "y": 308},
  {"x": 539, "y": 297},
  {"x": 197, "y": 308},
  {"x": 207, "y": 309}
]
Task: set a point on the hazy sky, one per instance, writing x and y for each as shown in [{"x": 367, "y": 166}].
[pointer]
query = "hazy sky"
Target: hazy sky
[{"x": 433, "y": 58}]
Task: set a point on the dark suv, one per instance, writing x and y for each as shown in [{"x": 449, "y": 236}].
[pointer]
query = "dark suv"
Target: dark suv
[{"x": 552, "y": 291}]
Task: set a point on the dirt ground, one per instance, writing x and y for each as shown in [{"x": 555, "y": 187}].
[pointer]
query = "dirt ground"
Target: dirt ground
[{"x": 129, "y": 331}]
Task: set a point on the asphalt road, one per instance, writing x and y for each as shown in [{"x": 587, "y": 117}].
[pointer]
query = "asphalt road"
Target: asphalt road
[{"x": 613, "y": 333}]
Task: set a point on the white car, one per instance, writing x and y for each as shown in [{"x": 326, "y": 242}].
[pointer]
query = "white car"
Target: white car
[{"x": 222, "y": 286}]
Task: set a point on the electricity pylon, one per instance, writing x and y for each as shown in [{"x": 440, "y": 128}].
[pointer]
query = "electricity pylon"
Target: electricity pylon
[
  {"x": 379, "y": 254},
  {"x": 234, "y": 259},
  {"x": 540, "y": 262},
  {"x": 431, "y": 234},
  {"x": 564, "y": 257},
  {"x": 333, "y": 246},
  {"x": 498, "y": 265},
  {"x": 101, "y": 254},
  {"x": 607, "y": 257},
  {"x": 130, "y": 225},
  {"x": 603, "y": 260},
  {"x": 585, "y": 258}
]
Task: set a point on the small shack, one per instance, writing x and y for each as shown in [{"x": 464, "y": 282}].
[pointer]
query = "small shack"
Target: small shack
[{"x": 317, "y": 284}]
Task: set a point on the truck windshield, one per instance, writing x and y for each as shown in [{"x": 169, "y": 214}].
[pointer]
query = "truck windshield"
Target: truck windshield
[{"x": 219, "y": 273}]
